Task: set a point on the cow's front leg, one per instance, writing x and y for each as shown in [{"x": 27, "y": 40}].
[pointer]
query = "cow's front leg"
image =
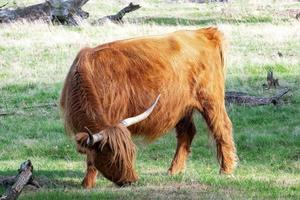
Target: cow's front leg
[
  {"x": 185, "y": 131},
  {"x": 90, "y": 178}
]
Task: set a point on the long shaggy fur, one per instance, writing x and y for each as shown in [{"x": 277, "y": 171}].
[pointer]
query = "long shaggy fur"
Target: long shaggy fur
[
  {"x": 117, "y": 80},
  {"x": 118, "y": 140}
]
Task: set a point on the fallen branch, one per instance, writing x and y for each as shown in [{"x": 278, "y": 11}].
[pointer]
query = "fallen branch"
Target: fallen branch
[
  {"x": 18, "y": 182},
  {"x": 40, "y": 106},
  {"x": 31, "y": 13},
  {"x": 7, "y": 113},
  {"x": 245, "y": 99},
  {"x": 27, "y": 108},
  {"x": 117, "y": 18}
]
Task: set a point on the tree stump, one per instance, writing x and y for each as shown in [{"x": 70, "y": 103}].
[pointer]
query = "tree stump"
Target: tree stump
[{"x": 272, "y": 82}]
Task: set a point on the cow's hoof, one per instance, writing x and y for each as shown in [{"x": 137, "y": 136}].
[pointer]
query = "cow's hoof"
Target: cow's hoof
[
  {"x": 175, "y": 171},
  {"x": 88, "y": 184},
  {"x": 226, "y": 173},
  {"x": 124, "y": 184}
]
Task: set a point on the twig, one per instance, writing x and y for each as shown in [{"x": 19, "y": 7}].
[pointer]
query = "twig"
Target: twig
[
  {"x": 40, "y": 106},
  {"x": 28, "y": 107},
  {"x": 7, "y": 113}
]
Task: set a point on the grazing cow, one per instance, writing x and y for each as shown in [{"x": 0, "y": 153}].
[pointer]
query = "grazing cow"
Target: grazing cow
[{"x": 121, "y": 79}]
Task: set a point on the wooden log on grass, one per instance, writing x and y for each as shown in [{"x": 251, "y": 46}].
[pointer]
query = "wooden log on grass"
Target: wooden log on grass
[
  {"x": 18, "y": 182},
  {"x": 117, "y": 18},
  {"x": 61, "y": 11},
  {"x": 31, "y": 13},
  {"x": 242, "y": 98},
  {"x": 51, "y": 10}
]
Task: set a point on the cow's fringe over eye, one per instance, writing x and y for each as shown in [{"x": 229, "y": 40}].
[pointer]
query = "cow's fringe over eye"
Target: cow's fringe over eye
[{"x": 123, "y": 149}]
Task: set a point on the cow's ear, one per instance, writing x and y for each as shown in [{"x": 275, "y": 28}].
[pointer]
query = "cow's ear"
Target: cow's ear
[{"x": 81, "y": 142}]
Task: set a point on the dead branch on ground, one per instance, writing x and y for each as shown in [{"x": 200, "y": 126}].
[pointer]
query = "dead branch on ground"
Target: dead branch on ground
[
  {"x": 16, "y": 184},
  {"x": 14, "y": 111},
  {"x": 117, "y": 18},
  {"x": 245, "y": 99}
]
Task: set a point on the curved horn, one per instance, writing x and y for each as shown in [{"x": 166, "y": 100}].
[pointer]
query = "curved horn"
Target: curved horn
[
  {"x": 93, "y": 138},
  {"x": 133, "y": 120}
]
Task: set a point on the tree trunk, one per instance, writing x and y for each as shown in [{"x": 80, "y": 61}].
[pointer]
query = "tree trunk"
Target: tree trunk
[
  {"x": 31, "y": 13},
  {"x": 64, "y": 11},
  {"x": 61, "y": 11}
]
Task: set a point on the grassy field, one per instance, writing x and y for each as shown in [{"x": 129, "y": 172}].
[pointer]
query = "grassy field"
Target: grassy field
[{"x": 34, "y": 59}]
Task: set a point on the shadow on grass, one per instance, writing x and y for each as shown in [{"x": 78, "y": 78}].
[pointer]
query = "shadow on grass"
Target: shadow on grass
[
  {"x": 259, "y": 134},
  {"x": 51, "y": 179},
  {"x": 214, "y": 189}
]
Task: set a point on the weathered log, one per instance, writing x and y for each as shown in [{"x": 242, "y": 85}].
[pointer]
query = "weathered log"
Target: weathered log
[
  {"x": 61, "y": 11},
  {"x": 23, "y": 178},
  {"x": 117, "y": 18},
  {"x": 64, "y": 11},
  {"x": 245, "y": 99},
  {"x": 31, "y": 13}
]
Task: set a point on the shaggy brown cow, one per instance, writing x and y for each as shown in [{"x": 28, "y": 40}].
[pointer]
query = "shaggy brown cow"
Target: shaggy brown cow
[{"x": 121, "y": 79}]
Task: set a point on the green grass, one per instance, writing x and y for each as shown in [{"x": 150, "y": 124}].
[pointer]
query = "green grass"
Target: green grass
[{"x": 34, "y": 59}]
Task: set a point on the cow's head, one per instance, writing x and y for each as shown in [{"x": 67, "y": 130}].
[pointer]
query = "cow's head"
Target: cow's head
[{"x": 113, "y": 150}]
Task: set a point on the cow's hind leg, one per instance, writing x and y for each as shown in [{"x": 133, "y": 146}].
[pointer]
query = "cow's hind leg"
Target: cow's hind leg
[
  {"x": 90, "y": 178},
  {"x": 220, "y": 127},
  {"x": 185, "y": 131}
]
